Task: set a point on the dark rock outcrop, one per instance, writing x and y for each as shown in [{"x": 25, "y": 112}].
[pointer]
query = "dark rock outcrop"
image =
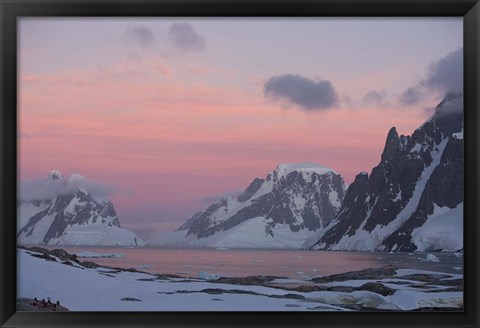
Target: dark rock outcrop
[
  {"x": 292, "y": 196},
  {"x": 70, "y": 207},
  {"x": 415, "y": 174},
  {"x": 372, "y": 273}
]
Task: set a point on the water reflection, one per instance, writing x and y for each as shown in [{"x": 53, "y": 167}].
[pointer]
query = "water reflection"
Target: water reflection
[{"x": 286, "y": 263}]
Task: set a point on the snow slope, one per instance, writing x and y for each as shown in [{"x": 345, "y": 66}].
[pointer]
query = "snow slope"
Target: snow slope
[
  {"x": 281, "y": 211},
  {"x": 99, "y": 290},
  {"x": 97, "y": 235},
  {"x": 69, "y": 212},
  {"x": 248, "y": 234},
  {"x": 103, "y": 289},
  {"x": 442, "y": 231}
]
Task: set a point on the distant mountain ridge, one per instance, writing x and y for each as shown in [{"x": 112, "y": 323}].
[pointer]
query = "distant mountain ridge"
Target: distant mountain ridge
[
  {"x": 72, "y": 217},
  {"x": 419, "y": 178},
  {"x": 290, "y": 204}
]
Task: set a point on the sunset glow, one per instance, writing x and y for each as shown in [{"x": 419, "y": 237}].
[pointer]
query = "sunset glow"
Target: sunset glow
[{"x": 172, "y": 118}]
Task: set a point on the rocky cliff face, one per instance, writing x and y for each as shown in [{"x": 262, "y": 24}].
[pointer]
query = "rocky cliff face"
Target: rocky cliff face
[
  {"x": 72, "y": 217},
  {"x": 290, "y": 204},
  {"x": 418, "y": 178}
]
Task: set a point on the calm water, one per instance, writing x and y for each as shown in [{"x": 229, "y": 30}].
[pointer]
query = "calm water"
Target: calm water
[{"x": 285, "y": 263}]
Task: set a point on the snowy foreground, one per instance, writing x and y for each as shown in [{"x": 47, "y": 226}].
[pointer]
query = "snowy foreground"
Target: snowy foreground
[{"x": 87, "y": 287}]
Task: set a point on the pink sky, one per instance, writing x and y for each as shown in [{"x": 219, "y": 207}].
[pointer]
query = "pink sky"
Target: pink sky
[{"x": 171, "y": 128}]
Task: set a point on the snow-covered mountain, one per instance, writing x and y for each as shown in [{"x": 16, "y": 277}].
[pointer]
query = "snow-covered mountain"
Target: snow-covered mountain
[
  {"x": 66, "y": 213},
  {"x": 413, "y": 199},
  {"x": 280, "y": 211}
]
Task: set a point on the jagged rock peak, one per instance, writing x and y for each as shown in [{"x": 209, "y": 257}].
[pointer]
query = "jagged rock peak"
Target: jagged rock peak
[
  {"x": 251, "y": 190},
  {"x": 392, "y": 145},
  {"x": 361, "y": 176},
  {"x": 291, "y": 203},
  {"x": 392, "y": 134},
  {"x": 55, "y": 175},
  {"x": 393, "y": 209}
]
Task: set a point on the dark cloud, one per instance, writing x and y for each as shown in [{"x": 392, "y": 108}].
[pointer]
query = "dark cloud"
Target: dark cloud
[
  {"x": 443, "y": 75},
  {"x": 141, "y": 35},
  {"x": 374, "y": 98},
  {"x": 411, "y": 96},
  {"x": 447, "y": 73},
  {"x": 184, "y": 37},
  {"x": 305, "y": 93},
  {"x": 452, "y": 104}
]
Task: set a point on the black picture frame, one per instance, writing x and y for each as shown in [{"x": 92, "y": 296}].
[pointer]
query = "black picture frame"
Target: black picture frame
[{"x": 10, "y": 10}]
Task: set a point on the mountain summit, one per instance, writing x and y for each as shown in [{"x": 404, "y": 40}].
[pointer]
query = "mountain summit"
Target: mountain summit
[
  {"x": 280, "y": 211},
  {"x": 55, "y": 175},
  {"x": 413, "y": 199},
  {"x": 66, "y": 213}
]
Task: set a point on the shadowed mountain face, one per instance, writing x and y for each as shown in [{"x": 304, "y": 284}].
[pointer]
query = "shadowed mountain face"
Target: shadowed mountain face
[
  {"x": 73, "y": 217},
  {"x": 418, "y": 178},
  {"x": 300, "y": 196}
]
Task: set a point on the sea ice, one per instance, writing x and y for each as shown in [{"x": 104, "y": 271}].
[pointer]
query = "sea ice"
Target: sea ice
[{"x": 431, "y": 258}]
